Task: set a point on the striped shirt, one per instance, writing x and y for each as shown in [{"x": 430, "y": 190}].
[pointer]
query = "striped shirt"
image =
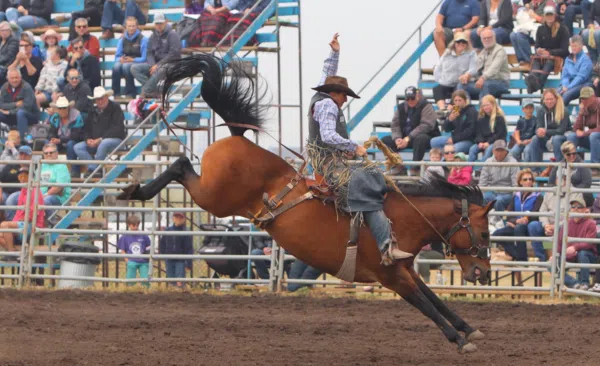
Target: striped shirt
[{"x": 325, "y": 112}]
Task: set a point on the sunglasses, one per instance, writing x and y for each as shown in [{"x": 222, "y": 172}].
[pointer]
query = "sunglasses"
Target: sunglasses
[
  {"x": 527, "y": 179},
  {"x": 78, "y": 48},
  {"x": 25, "y": 45},
  {"x": 411, "y": 98},
  {"x": 449, "y": 152},
  {"x": 577, "y": 207},
  {"x": 74, "y": 78},
  {"x": 49, "y": 152},
  {"x": 461, "y": 42},
  {"x": 570, "y": 154}
]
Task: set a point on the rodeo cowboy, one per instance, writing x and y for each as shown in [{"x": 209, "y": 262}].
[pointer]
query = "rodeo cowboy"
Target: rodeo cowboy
[{"x": 359, "y": 188}]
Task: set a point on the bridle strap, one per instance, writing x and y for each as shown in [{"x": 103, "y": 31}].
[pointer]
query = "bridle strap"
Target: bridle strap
[{"x": 465, "y": 223}]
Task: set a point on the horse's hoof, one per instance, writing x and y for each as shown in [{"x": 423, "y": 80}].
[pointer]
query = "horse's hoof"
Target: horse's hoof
[
  {"x": 129, "y": 192},
  {"x": 475, "y": 336},
  {"x": 467, "y": 348}
]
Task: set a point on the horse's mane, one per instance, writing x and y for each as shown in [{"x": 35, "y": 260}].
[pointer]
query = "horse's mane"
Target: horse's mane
[
  {"x": 438, "y": 186},
  {"x": 228, "y": 90}
]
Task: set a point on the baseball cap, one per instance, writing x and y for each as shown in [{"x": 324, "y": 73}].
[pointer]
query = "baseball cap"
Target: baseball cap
[
  {"x": 24, "y": 170},
  {"x": 159, "y": 18},
  {"x": 578, "y": 199},
  {"x": 178, "y": 214},
  {"x": 499, "y": 144},
  {"x": 586, "y": 92},
  {"x": 549, "y": 10},
  {"x": 527, "y": 101},
  {"x": 460, "y": 36},
  {"x": 25, "y": 150},
  {"x": 411, "y": 92},
  {"x": 461, "y": 156}
]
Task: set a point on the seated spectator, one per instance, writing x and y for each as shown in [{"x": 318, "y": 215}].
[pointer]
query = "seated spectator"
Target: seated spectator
[
  {"x": 66, "y": 127},
  {"x": 9, "y": 47},
  {"x": 546, "y": 224},
  {"x": 91, "y": 14},
  {"x": 103, "y": 130},
  {"x": 580, "y": 177},
  {"x": 29, "y": 64},
  {"x": 551, "y": 123},
  {"x": 90, "y": 42},
  {"x": 551, "y": 42},
  {"x": 495, "y": 16},
  {"x": 461, "y": 124},
  {"x": 10, "y": 174},
  {"x": 135, "y": 243},
  {"x": 53, "y": 69},
  {"x": 177, "y": 244},
  {"x": 490, "y": 126},
  {"x": 499, "y": 176},
  {"x": 449, "y": 155},
  {"x": 85, "y": 63},
  {"x": 17, "y": 103},
  {"x": 31, "y": 13},
  {"x": 7, "y": 239},
  {"x": 574, "y": 7},
  {"x": 522, "y": 36},
  {"x": 493, "y": 77},
  {"x": 434, "y": 155},
  {"x": 457, "y": 65},
  {"x": 517, "y": 225},
  {"x": 579, "y": 252},
  {"x": 193, "y": 6},
  {"x": 301, "y": 271},
  {"x": 460, "y": 175},
  {"x": 54, "y": 173},
  {"x": 576, "y": 73},
  {"x": 260, "y": 265},
  {"x": 244, "y": 7},
  {"x": 77, "y": 91},
  {"x": 586, "y": 131},
  {"x": 50, "y": 39},
  {"x": 524, "y": 131},
  {"x": 212, "y": 25},
  {"x": 164, "y": 45},
  {"x": 113, "y": 14},
  {"x": 455, "y": 16},
  {"x": 591, "y": 35},
  {"x": 131, "y": 49},
  {"x": 11, "y": 146},
  {"x": 430, "y": 251},
  {"x": 413, "y": 126}
]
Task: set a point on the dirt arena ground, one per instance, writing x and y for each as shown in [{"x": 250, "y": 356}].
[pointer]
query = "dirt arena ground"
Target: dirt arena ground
[{"x": 101, "y": 328}]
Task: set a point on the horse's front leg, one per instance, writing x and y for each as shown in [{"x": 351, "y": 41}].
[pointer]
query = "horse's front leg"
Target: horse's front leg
[
  {"x": 405, "y": 286},
  {"x": 457, "y": 322},
  {"x": 178, "y": 171}
]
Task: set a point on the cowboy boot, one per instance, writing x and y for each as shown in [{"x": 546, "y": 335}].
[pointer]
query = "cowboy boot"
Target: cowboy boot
[{"x": 395, "y": 252}]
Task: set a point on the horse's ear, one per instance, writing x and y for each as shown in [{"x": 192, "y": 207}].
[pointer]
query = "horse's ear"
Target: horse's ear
[{"x": 488, "y": 208}]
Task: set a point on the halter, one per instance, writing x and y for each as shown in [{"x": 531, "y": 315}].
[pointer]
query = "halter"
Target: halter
[{"x": 476, "y": 250}]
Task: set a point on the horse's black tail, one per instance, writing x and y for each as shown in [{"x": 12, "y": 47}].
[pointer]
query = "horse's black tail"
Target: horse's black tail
[{"x": 232, "y": 95}]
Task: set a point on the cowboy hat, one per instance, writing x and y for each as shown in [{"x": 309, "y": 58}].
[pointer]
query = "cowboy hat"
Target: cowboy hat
[
  {"x": 100, "y": 92},
  {"x": 51, "y": 33},
  {"x": 336, "y": 84},
  {"x": 62, "y": 102}
]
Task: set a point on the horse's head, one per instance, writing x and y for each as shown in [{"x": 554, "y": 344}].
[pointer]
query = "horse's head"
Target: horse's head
[{"x": 469, "y": 239}]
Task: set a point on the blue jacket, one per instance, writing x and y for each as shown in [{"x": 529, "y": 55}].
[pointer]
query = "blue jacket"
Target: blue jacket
[
  {"x": 575, "y": 73},
  {"x": 74, "y": 130},
  {"x": 532, "y": 204},
  {"x": 143, "y": 47},
  {"x": 176, "y": 244}
]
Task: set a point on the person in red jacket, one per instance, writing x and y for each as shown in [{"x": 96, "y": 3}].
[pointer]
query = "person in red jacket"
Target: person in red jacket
[
  {"x": 586, "y": 130},
  {"x": 579, "y": 252},
  {"x": 7, "y": 239},
  {"x": 460, "y": 175}
]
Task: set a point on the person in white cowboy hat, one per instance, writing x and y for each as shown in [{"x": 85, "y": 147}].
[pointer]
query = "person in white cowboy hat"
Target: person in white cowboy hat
[
  {"x": 328, "y": 148},
  {"x": 164, "y": 45},
  {"x": 103, "y": 130},
  {"x": 66, "y": 129}
]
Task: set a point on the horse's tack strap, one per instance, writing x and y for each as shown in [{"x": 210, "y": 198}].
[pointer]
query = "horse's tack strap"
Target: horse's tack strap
[
  {"x": 271, "y": 215},
  {"x": 273, "y": 202}
]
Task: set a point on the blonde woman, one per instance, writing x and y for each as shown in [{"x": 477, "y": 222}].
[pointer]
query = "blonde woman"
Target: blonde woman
[
  {"x": 457, "y": 64},
  {"x": 551, "y": 123},
  {"x": 490, "y": 126}
]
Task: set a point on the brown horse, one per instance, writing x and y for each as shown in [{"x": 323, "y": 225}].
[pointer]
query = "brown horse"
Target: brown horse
[{"x": 236, "y": 173}]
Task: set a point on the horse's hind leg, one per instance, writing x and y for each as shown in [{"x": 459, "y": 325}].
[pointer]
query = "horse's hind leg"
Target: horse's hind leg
[
  {"x": 457, "y": 322},
  {"x": 408, "y": 289},
  {"x": 181, "y": 169}
]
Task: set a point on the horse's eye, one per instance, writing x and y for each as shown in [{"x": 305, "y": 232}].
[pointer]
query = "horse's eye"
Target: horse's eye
[{"x": 485, "y": 235}]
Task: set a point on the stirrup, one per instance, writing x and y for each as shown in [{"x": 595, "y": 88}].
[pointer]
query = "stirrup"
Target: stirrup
[
  {"x": 395, "y": 252},
  {"x": 386, "y": 260}
]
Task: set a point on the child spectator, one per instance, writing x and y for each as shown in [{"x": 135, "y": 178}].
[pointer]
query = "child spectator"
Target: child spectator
[
  {"x": 576, "y": 72},
  {"x": 10, "y": 174},
  {"x": 579, "y": 227},
  {"x": 460, "y": 175},
  {"x": 490, "y": 127},
  {"x": 434, "y": 155},
  {"x": 7, "y": 239},
  {"x": 177, "y": 244},
  {"x": 50, "y": 39},
  {"x": 135, "y": 243},
  {"x": 53, "y": 69},
  {"x": 11, "y": 147},
  {"x": 525, "y": 130}
]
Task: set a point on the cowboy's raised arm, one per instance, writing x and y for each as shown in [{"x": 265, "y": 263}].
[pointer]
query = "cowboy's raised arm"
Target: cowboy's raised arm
[{"x": 331, "y": 63}]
